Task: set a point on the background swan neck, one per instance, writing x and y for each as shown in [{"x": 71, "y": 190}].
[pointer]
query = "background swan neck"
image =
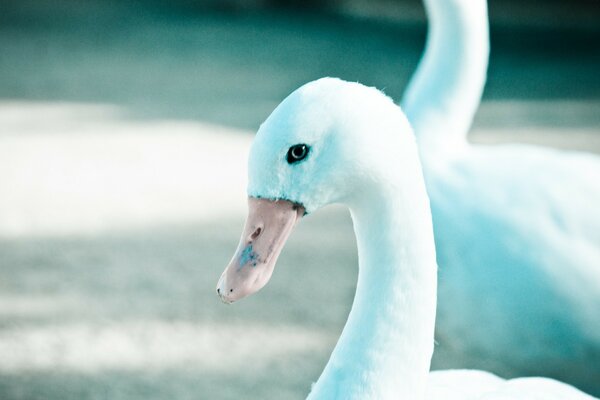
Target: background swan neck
[
  {"x": 385, "y": 349},
  {"x": 445, "y": 91}
]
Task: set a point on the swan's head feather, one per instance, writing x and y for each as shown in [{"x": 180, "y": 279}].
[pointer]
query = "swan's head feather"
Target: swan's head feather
[
  {"x": 355, "y": 134},
  {"x": 330, "y": 141}
]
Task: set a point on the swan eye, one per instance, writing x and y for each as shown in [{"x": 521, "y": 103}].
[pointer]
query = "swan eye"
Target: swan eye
[{"x": 297, "y": 152}]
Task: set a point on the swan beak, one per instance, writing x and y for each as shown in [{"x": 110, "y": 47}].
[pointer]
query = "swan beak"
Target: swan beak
[{"x": 267, "y": 228}]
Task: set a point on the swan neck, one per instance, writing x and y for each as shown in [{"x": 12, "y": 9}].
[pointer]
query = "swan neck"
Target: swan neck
[
  {"x": 445, "y": 91},
  {"x": 385, "y": 349}
]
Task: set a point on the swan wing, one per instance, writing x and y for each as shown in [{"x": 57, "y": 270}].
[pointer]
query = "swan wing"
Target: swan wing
[
  {"x": 525, "y": 210},
  {"x": 480, "y": 385},
  {"x": 460, "y": 384},
  {"x": 518, "y": 241}
]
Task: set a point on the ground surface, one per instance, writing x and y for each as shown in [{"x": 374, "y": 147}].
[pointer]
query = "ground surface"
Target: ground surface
[{"x": 123, "y": 140}]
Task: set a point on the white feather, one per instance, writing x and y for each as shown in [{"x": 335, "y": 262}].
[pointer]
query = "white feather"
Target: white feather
[{"x": 517, "y": 227}]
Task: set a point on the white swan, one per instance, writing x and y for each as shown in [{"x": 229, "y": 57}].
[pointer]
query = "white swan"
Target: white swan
[
  {"x": 337, "y": 142},
  {"x": 517, "y": 227}
]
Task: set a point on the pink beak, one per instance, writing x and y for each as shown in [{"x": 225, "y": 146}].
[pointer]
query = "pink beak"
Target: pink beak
[{"x": 267, "y": 228}]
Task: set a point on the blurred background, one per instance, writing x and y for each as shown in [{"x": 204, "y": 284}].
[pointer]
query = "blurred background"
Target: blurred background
[{"x": 124, "y": 132}]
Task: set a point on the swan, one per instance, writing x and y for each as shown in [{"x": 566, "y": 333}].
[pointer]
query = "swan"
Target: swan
[
  {"x": 333, "y": 141},
  {"x": 517, "y": 227}
]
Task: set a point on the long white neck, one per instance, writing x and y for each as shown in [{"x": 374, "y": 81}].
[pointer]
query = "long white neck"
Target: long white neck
[
  {"x": 385, "y": 349},
  {"x": 445, "y": 91}
]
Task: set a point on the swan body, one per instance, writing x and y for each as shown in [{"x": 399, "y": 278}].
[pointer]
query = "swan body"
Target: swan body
[
  {"x": 479, "y": 385},
  {"x": 517, "y": 227},
  {"x": 359, "y": 150}
]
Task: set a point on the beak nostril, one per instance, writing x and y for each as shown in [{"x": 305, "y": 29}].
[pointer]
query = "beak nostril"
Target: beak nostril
[
  {"x": 256, "y": 233},
  {"x": 218, "y": 290},
  {"x": 230, "y": 290}
]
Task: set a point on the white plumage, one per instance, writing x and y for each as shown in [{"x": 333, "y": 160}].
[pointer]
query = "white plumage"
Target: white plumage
[
  {"x": 363, "y": 154},
  {"x": 517, "y": 227}
]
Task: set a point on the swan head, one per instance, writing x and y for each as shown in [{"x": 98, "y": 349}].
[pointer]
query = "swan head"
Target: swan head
[{"x": 328, "y": 142}]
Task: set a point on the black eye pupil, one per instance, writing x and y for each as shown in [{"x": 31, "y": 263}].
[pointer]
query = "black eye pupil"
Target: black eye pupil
[{"x": 297, "y": 153}]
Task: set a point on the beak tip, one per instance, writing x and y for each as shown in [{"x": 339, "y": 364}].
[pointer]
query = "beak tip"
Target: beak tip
[
  {"x": 224, "y": 297},
  {"x": 221, "y": 292},
  {"x": 267, "y": 227}
]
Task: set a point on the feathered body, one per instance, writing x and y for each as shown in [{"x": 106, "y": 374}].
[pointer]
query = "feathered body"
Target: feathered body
[
  {"x": 517, "y": 227},
  {"x": 363, "y": 155}
]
